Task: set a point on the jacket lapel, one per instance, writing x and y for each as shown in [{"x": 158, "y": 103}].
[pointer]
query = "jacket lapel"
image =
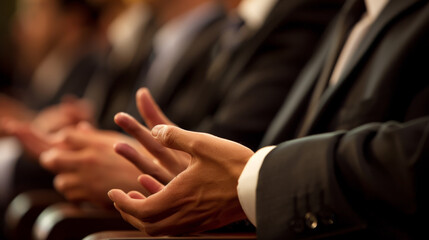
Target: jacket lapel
[
  {"x": 250, "y": 43},
  {"x": 391, "y": 11},
  {"x": 199, "y": 46},
  {"x": 283, "y": 126}
]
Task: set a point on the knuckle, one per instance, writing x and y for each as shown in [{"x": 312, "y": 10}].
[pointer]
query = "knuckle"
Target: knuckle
[
  {"x": 66, "y": 134},
  {"x": 196, "y": 144},
  {"x": 168, "y": 135},
  {"x": 52, "y": 162},
  {"x": 60, "y": 183},
  {"x": 91, "y": 159}
]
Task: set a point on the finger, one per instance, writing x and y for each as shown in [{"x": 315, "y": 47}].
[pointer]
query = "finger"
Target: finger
[
  {"x": 176, "y": 138},
  {"x": 76, "y": 195},
  {"x": 69, "y": 185},
  {"x": 8, "y": 125},
  {"x": 85, "y": 126},
  {"x": 202, "y": 146},
  {"x": 57, "y": 160},
  {"x": 79, "y": 109},
  {"x": 143, "y": 163},
  {"x": 143, "y": 135},
  {"x": 15, "y": 127},
  {"x": 149, "y": 110},
  {"x": 149, "y": 183},
  {"x": 151, "y": 209},
  {"x": 136, "y": 195},
  {"x": 33, "y": 141},
  {"x": 72, "y": 138},
  {"x": 125, "y": 203},
  {"x": 67, "y": 182},
  {"x": 131, "y": 220}
]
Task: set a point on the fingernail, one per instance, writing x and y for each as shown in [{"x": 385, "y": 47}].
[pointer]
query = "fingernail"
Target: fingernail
[
  {"x": 140, "y": 91},
  {"x": 110, "y": 194},
  {"x": 157, "y": 130},
  {"x": 120, "y": 114},
  {"x": 84, "y": 125}
]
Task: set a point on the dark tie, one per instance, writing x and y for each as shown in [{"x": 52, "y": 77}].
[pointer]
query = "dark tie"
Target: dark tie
[
  {"x": 232, "y": 36},
  {"x": 345, "y": 22}
]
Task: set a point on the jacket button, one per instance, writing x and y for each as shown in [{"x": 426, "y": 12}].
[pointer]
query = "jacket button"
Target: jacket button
[
  {"x": 311, "y": 220},
  {"x": 297, "y": 225}
]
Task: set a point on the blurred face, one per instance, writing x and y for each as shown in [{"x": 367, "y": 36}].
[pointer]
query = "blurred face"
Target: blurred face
[{"x": 36, "y": 28}]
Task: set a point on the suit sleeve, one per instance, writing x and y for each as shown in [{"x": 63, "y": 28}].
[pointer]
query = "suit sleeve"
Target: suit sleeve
[{"x": 369, "y": 180}]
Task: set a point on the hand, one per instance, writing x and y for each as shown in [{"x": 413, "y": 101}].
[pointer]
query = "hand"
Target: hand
[
  {"x": 36, "y": 135},
  {"x": 13, "y": 108},
  {"x": 69, "y": 112},
  {"x": 149, "y": 110},
  {"x": 33, "y": 141},
  {"x": 172, "y": 161},
  {"x": 202, "y": 197},
  {"x": 87, "y": 167}
]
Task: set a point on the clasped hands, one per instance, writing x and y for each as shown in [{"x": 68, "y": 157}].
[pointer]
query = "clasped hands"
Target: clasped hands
[{"x": 200, "y": 171}]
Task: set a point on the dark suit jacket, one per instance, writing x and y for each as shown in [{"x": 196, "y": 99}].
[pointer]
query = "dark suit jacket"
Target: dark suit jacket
[
  {"x": 106, "y": 84},
  {"x": 114, "y": 86},
  {"x": 239, "y": 98},
  {"x": 75, "y": 84},
  {"x": 187, "y": 72},
  {"x": 366, "y": 172}
]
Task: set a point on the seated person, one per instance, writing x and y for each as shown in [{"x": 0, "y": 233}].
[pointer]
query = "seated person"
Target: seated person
[
  {"x": 54, "y": 41},
  {"x": 54, "y": 54},
  {"x": 79, "y": 164},
  {"x": 351, "y": 165}
]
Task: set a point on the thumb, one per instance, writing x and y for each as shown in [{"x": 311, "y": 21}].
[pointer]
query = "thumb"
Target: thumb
[
  {"x": 177, "y": 138},
  {"x": 123, "y": 202},
  {"x": 85, "y": 126},
  {"x": 199, "y": 145},
  {"x": 149, "y": 110},
  {"x": 72, "y": 138}
]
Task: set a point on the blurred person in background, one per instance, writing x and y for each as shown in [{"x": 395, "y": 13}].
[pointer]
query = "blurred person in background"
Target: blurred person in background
[
  {"x": 249, "y": 76},
  {"x": 55, "y": 55},
  {"x": 6, "y": 56},
  {"x": 91, "y": 150},
  {"x": 54, "y": 52},
  {"x": 353, "y": 145},
  {"x": 91, "y": 157},
  {"x": 56, "y": 45},
  {"x": 126, "y": 39}
]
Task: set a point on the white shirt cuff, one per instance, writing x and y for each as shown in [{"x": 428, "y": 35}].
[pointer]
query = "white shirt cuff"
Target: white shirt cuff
[{"x": 248, "y": 182}]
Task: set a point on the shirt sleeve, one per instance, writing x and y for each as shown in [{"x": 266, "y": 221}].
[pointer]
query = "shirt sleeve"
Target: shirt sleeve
[{"x": 248, "y": 182}]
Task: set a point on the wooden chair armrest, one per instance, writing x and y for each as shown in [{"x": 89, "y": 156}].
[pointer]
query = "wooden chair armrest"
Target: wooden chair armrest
[
  {"x": 24, "y": 209},
  {"x": 68, "y": 221}
]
